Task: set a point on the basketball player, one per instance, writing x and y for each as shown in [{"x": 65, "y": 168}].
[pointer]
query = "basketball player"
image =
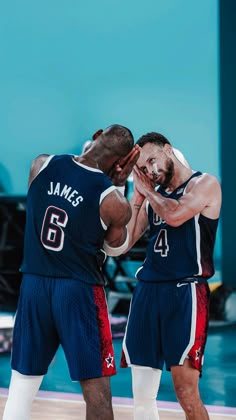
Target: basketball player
[
  {"x": 122, "y": 170},
  {"x": 168, "y": 317},
  {"x": 70, "y": 217}
]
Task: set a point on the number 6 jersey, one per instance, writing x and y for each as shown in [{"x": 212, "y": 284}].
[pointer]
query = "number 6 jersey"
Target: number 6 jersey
[
  {"x": 64, "y": 233},
  {"x": 175, "y": 253}
]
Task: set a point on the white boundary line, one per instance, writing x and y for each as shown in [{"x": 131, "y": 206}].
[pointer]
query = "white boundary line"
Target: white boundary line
[{"x": 118, "y": 405}]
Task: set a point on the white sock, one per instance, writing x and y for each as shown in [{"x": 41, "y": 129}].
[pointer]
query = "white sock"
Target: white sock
[
  {"x": 22, "y": 391},
  {"x": 145, "y": 386}
]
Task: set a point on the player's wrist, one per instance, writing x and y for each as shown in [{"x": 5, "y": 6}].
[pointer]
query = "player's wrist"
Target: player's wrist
[{"x": 138, "y": 198}]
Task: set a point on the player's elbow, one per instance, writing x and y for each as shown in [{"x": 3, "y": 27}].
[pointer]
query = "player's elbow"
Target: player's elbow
[
  {"x": 122, "y": 210},
  {"x": 127, "y": 212},
  {"x": 115, "y": 251},
  {"x": 173, "y": 221}
]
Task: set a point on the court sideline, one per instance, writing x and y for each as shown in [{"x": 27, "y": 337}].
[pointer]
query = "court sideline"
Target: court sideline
[
  {"x": 61, "y": 399},
  {"x": 58, "y": 406}
]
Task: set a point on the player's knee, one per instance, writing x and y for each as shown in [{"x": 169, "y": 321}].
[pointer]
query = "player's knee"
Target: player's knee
[
  {"x": 138, "y": 391},
  {"x": 99, "y": 398},
  {"x": 145, "y": 383},
  {"x": 144, "y": 397},
  {"x": 99, "y": 405},
  {"x": 183, "y": 392},
  {"x": 188, "y": 397}
]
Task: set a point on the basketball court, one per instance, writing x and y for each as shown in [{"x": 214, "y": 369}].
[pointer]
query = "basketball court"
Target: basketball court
[
  {"x": 62, "y": 406},
  {"x": 61, "y": 399}
]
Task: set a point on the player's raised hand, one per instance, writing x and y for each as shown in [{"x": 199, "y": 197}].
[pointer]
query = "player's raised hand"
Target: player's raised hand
[
  {"x": 123, "y": 169},
  {"x": 142, "y": 182}
]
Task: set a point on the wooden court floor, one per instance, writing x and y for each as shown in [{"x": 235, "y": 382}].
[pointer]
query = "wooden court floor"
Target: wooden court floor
[{"x": 46, "y": 409}]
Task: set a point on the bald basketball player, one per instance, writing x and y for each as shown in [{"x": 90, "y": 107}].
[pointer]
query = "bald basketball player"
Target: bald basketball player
[{"x": 70, "y": 218}]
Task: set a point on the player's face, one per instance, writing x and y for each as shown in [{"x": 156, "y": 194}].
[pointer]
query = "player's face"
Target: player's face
[{"x": 155, "y": 163}]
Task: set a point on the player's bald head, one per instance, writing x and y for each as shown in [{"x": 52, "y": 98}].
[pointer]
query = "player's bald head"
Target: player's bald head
[{"x": 119, "y": 139}]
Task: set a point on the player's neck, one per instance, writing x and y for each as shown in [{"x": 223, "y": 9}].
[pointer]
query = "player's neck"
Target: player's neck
[
  {"x": 181, "y": 175},
  {"x": 87, "y": 161}
]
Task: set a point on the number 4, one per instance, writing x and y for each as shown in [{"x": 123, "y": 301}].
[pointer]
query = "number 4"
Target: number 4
[{"x": 161, "y": 244}]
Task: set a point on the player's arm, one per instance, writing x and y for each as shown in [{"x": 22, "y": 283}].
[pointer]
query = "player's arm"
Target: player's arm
[
  {"x": 203, "y": 195},
  {"x": 36, "y": 165},
  {"x": 121, "y": 171},
  {"x": 139, "y": 219},
  {"x": 115, "y": 211}
]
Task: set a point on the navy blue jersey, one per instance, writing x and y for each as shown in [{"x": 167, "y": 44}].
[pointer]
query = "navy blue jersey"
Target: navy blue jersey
[
  {"x": 175, "y": 253},
  {"x": 64, "y": 232}
]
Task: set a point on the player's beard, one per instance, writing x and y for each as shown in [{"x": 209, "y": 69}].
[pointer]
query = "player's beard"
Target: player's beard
[{"x": 168, "y": 173}]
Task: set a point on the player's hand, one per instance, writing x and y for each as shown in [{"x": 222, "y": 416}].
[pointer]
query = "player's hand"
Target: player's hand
[
  {"x": 142, "y": 183},
  {"x": 119, "y": 174}
]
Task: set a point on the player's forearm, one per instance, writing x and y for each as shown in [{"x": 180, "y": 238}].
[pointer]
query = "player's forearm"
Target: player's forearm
[
  {"x": 164, "y": 207},
  {"x": 136, "y": 226},
  {"x": 116, "y": 245}
]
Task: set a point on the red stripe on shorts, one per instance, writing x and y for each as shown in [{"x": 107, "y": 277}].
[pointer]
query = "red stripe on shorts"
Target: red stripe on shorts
[
  {"x": 197, "y": 350},
  {"x": 107, "y": 351}
]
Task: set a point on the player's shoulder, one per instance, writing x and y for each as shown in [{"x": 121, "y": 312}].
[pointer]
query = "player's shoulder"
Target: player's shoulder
[
  {"x": 115, "y": 208},
  {"x": 204, "y": 182},
  {"x": 37, "y": 165},
  {"x": 116, "y": 197},
  {"x": 208, "y": 186},
  {"x": 206, "y": 175},
  {"x": 210, "y": 179},
  {"x": 40, "y": 159},
  {"x": 205, "y": 178}
]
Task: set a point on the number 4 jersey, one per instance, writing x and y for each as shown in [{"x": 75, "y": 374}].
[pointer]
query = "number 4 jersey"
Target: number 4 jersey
[
  {"x": 175, "y": 253},
  {"x": 64, "y": 233}
]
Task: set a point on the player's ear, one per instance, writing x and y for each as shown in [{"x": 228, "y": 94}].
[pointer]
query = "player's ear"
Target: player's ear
[
  {"x": 97, "y": 134},
  {"x": 168, "y": 149}
]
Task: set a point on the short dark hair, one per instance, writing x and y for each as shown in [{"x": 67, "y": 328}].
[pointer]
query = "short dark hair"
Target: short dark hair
[
  {"x": 153, "y": 137},
  {"x": 120, "y": 138}
]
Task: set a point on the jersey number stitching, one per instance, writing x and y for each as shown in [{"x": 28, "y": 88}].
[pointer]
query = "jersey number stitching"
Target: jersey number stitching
[
  {"x": 161, "y": 244},
  {"x": 52, "y": 234}
]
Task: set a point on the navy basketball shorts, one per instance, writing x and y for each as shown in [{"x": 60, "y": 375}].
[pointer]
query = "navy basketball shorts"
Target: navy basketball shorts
[
  {"x": 53, "y": 311},
  {"x": 167, "y": 323}
]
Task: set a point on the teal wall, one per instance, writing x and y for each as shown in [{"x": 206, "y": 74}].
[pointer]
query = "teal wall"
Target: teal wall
[
  {"x": 69, "y": 67},
  {"x": 228, "y": 135}
]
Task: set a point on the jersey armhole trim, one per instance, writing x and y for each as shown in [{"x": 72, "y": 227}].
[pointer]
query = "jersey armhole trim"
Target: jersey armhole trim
[
  {"x": 102, "y": 196},
  {"x": 45, "y": 164},
  {"x": 106, "y": 192}
]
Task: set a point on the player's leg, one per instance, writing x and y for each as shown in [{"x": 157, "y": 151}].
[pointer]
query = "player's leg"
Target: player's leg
[
  {"x": 81, "y": 316},
  {"x": 97, "y": 395},
  {"x": 145, "y": 386},
  {"x": 141, "y": 344},
  {"x": 186, "y": 381},
  {"x": 21, "y": 394},
  {"x": 142, "y": 350},
  {"x": 185, "y": 344},
  {"x": 34, "y": 344}
]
